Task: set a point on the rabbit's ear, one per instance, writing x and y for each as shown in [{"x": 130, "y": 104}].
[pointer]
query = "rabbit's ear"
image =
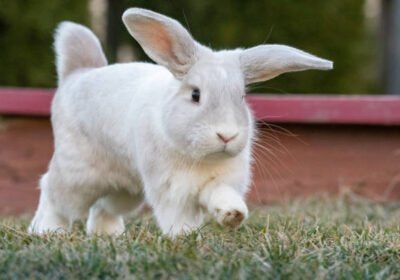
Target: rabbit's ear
[
  {"x": 163, "y": 39},
  {"x": 265, "y": 62}
]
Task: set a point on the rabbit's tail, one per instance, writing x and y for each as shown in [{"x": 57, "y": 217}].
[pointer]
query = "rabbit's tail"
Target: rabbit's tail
[{"x": 76, "y": 48}]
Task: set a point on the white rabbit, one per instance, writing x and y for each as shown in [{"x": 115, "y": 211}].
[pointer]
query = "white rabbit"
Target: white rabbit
[{"x": 177, "y": 134}]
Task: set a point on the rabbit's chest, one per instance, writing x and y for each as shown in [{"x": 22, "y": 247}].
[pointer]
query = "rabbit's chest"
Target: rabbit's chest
[{"x": 188, "y": 182}]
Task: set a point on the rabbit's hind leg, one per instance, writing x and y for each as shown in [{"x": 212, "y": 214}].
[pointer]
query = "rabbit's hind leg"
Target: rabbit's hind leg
[
  {"x": 65, "y": 196},
  {"x": 106, "y": 214},
  {"x": 47, "y": 218}
]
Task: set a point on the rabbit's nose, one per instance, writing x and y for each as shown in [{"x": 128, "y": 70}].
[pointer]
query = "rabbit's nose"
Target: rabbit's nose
[{"x": 226, "y": 138}]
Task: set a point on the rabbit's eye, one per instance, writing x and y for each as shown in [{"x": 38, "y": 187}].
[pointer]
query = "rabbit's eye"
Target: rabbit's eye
[{"x": 196, "y": 95}]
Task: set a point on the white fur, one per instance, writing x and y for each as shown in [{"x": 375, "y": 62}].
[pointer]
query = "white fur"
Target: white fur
[
  {"x": 79, "y": 43},
  {"x": 128, "y": 130}
]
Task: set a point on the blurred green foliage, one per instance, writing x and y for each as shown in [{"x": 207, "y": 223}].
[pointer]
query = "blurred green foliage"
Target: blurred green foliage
[
  {"x": 26, "y": 31},
  {"x": 334, "y": 30}
]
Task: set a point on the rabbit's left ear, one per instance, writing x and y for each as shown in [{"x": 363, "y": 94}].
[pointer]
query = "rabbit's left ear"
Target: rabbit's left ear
[
  {"x": 163, "y": 39},
  {"x": 265, "y": 62}
]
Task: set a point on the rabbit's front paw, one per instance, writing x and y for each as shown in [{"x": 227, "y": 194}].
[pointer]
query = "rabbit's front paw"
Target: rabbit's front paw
[{"x": 231, "y": 215}]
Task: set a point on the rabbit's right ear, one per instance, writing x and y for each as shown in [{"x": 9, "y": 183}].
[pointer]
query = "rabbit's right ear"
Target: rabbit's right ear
[
  {"x": 265, "y": 62},
  {"x": 163, "y": 39}
]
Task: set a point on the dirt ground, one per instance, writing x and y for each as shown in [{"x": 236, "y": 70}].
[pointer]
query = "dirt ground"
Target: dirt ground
[{"x": 308, "y": 160}]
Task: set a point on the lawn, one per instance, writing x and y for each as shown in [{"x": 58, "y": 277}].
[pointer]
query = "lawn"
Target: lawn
[{"x": 324, "y": 238}]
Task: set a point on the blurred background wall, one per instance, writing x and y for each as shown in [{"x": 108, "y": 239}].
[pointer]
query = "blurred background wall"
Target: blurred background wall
[{"x": 347, "y": 32}]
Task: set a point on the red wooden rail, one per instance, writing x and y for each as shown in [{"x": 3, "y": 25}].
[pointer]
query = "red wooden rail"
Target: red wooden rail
[
  {"x": 337, "y": 109},
  {"x": 374, "y": 110},
  {"x": 25, "y": 101}
]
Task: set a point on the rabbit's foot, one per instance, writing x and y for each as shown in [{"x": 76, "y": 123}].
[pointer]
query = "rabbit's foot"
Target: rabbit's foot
[
  {"x": 100, "y": 222},
  {"x": 232, "y": 218},
  {"x": 47, "y": 219},
  {"x": 48, "y": 223},
  {"x": 225, "y": 204},
  {"x": 231, "y": 215}
]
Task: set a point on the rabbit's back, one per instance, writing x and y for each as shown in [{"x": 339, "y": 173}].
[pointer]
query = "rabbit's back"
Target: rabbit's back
[
  {"x": 98, "y": 113},
  {"x": 105, "y": 102}
]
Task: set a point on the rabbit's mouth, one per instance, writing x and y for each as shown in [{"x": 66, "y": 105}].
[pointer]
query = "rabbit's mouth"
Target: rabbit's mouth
[
  {"x": 222, "y": 154},
  {"x": 219, "y": 156},
  {"x": 221, "y": 151}
]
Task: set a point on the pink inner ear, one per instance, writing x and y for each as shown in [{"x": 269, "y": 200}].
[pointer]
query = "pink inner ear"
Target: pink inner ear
[{"x": 156, "y": 38}]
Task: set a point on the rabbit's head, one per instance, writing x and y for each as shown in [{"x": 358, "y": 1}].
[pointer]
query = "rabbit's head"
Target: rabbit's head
[{"x": 206, "y": 115}]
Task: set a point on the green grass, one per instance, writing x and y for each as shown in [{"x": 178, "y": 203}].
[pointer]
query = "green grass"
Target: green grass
[{"x": 342, "y": 238}]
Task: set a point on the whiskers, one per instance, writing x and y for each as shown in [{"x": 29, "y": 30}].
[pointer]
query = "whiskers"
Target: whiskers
[{"x": 268, "y": 154}]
